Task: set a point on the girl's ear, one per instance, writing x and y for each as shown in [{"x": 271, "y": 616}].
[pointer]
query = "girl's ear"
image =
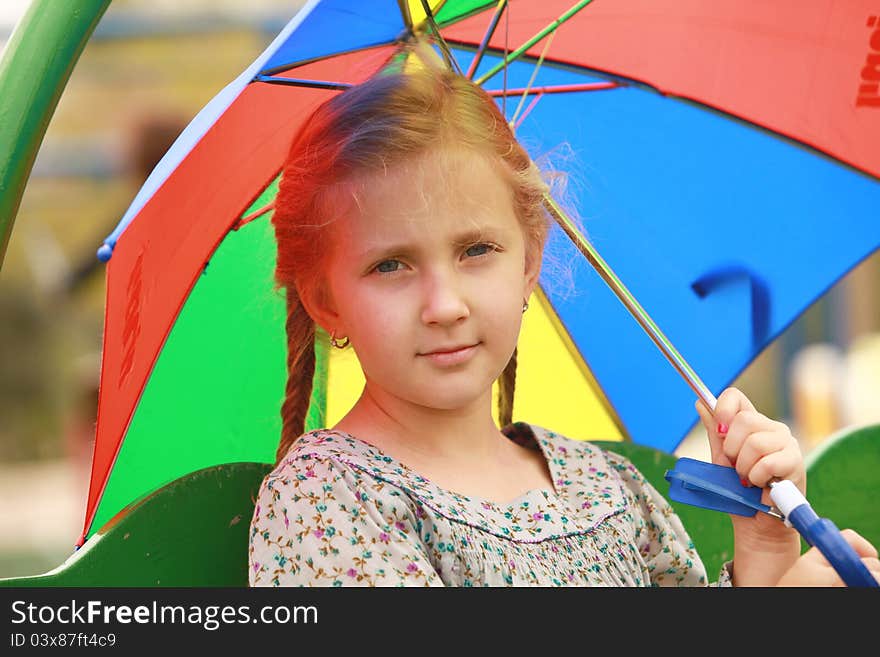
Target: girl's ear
[
  {"x": 318, "y": 304},
  {"x": 532, "y": 271}
]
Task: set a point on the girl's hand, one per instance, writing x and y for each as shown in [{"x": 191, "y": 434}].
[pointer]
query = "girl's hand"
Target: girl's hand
[
  {"x": 759, "y": 449},
  {"x": 812, "y": 569}
]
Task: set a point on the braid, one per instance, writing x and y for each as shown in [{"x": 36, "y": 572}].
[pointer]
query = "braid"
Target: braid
[
  {"x": 506, "y": 387},
  {"x": 300, "y": 371}
]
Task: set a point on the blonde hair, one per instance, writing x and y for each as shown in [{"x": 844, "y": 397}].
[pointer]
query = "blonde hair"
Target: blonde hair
[{"x": 390, "y": 118}]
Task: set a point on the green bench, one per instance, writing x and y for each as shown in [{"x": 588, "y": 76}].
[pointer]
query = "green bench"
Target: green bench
[
  {"x": 194, "y": 531},
  {"x": 191, "y": 532}
]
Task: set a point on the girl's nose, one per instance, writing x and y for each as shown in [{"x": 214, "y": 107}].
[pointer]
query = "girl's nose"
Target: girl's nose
[{"x": 444, "y": 302}]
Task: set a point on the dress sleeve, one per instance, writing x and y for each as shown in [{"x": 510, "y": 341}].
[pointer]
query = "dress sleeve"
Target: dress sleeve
[
  {"x": 321, "y": 522},
  {"x": 669, "y": 553}
]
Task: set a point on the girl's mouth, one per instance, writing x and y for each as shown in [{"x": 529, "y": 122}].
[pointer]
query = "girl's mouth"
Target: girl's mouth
[{"x": 450, "y": 358}]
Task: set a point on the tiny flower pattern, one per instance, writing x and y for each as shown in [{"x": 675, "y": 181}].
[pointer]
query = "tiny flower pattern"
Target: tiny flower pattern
[{"x": 337, "y": 511}]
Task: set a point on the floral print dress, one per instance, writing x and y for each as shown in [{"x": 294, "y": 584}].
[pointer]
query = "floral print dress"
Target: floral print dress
[{"x": 337, "y": 511}]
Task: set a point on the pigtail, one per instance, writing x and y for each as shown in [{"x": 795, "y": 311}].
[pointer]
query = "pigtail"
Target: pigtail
[
  {"x": 300, "y": 372},
  {"x": 506, "y": 387}
]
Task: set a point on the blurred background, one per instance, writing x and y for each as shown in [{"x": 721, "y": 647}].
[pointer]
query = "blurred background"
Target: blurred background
[{"x": 136, "y": 86}]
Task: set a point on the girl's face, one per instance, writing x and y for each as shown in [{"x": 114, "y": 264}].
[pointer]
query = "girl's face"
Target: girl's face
[{"x": 431, "y": 258}]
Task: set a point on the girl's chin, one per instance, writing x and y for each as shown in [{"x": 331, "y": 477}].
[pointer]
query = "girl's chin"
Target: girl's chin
[{"x": 456, "y": 397}]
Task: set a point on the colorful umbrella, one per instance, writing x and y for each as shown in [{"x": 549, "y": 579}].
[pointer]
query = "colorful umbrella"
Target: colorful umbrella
[{"x": 724, "y": 158}]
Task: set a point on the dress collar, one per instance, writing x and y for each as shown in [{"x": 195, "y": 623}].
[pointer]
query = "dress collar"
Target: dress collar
[{"x": 585, "y": 490}]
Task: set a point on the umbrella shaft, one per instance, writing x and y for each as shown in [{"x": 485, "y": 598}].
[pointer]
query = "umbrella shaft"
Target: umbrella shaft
[{"x": 628, "y": 300}]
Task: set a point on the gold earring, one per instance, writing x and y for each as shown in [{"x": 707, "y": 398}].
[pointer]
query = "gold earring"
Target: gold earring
[
  {"x": 336, "y": 343},
  {"x": 525, "y": 305}
]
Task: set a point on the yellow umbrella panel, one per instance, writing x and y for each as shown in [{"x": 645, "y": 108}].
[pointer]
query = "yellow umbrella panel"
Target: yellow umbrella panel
[{"x": 554, "y": 386}]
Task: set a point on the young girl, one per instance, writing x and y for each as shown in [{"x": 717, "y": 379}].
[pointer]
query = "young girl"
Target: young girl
[{"x": 410, "y": 226}]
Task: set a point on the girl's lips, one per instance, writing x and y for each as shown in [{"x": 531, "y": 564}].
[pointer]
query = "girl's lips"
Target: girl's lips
[{"x": 449, "y": 358}]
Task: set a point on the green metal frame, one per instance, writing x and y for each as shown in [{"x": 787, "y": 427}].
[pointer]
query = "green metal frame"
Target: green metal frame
[{"x": 34, "y": 69}]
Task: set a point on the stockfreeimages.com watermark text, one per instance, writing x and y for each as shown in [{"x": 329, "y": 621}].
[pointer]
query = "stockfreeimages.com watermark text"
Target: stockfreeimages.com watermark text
[{"x": 210, "y": 617}]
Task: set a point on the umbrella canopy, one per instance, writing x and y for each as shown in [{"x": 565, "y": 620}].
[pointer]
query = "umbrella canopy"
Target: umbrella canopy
[{"x": 724, "y": 158}]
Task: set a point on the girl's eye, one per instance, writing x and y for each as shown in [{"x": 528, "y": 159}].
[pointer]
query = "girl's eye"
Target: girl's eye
[
  {"x": 474, "y": 251},
  {"x": 487, "y": 248},
  {"x": 385, "y": 270}
]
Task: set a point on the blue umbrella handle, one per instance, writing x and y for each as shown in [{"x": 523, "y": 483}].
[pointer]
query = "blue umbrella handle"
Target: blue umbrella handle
[{"x": 822, "y": 534}]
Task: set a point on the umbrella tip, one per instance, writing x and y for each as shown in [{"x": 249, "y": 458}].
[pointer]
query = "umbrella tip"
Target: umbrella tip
[{"x": 104, "y": 252}]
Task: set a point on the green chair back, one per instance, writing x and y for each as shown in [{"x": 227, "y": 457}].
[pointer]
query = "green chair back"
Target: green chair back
[
  {"x": 843, "y": 480},
  {"x": 191, "y": 532}
]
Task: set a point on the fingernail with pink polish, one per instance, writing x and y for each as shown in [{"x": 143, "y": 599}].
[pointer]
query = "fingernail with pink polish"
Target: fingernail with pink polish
[
  {"x": 745, "y": 482},
  {"x": 722, "y": 428}
]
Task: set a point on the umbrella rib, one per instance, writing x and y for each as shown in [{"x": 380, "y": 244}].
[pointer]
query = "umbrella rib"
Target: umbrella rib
[
  {"x": 403, "y": 5},
  {"x": 316, "y": 84},
  {"x": 527, "y": 112},
  {"x": 490, "y": 31},
  {"x": 444, "y": 47},
  {"x": 256, "y": 214},
  {"x": 506, "y": 44},
  {"x": 531, "y": 81},
  {"x": 516, "y": 54},
  {"x": 313, "y": 60},
  {"x": 555, "y": 89}
]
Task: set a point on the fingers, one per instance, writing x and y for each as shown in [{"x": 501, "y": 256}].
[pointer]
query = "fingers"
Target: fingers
[
  {"x": 705, "y": 414},
  {"x": 859, "y": 543},
  {"x": 865, "y": 550},
  {"x": 873, "y": 565},
  {"x": 758, "y": 447},
  {"x": 731, "y": 402},
  {"x": 717, "y": 423},
  {"x": 744, "y": 426},
  {"x": 716, "y": 443},
  {"x": 784, "y": 463},
  {"x": 762, "y": 455},
  {"x": 813, "y": 569},
  {"x": 761, "y": 449}
]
